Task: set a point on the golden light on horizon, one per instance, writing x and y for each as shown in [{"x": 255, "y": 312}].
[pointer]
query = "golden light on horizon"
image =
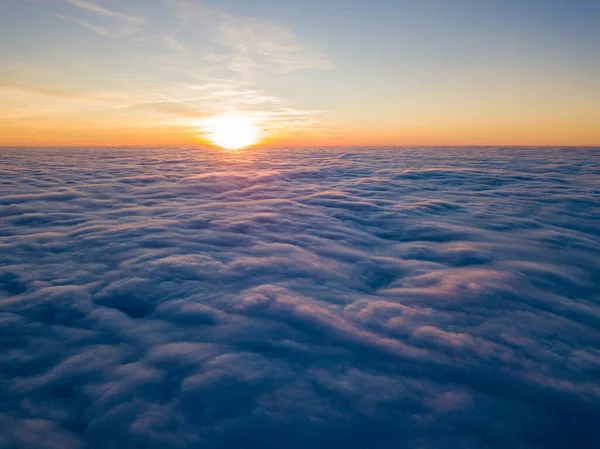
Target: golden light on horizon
[{"x": 232, "y": 131}]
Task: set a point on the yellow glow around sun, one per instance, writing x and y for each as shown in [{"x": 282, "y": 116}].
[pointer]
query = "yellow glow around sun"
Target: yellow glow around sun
[{"x": 232, "y": 131}]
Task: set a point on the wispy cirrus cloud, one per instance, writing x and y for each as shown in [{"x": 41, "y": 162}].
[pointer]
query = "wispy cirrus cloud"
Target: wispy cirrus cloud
[
  {"x": 231, "y": 58},
  {"x": 256, "y": 44},
  {"x": 115, "y": 23},
  {"x": 249, "y": 46},
  {"x": 45, "y": 91},
  {"x": 101, "y": 10},
  {"x": 90, "y": 26},
  {"x": 221, "y": 96},
  {"x": 204, "y": 62}
]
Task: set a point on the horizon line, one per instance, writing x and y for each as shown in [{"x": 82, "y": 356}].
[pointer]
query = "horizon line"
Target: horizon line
[{"x": 257, "y": 147}]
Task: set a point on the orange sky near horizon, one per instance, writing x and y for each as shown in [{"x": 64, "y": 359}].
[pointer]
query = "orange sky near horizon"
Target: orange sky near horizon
[{"x": 42, "y": 133}]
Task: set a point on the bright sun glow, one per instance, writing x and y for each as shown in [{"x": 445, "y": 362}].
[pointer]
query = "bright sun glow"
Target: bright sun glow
[{"x": 232, "y": 131}]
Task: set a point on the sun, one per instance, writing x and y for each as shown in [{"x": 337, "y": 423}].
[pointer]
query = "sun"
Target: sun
[{"x": 232, "y": 131}]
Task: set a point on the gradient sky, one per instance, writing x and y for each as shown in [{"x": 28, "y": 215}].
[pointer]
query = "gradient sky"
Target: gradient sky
[{"x": 311, "y": 72}]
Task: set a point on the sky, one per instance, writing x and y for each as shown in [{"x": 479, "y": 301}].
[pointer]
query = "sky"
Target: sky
[{"x": 338, "y": 72}]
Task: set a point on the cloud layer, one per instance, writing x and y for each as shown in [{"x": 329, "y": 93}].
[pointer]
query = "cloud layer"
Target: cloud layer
[{"x": 429, "y": 298}]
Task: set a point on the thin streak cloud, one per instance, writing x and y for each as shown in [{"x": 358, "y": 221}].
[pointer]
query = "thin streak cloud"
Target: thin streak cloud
[
  {"x": 250, "y": 46},
  {"x": 95, "y": 28},
  {"x": 97, "y": 9},
  {"x": 45, "y": 91}
]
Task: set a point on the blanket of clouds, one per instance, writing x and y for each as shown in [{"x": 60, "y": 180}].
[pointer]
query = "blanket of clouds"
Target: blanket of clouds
[{"x": 389, "y": 298}]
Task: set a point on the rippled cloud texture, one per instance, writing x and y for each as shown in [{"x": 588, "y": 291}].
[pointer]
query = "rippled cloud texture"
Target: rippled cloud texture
[{"x": 428, "y": 298}]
